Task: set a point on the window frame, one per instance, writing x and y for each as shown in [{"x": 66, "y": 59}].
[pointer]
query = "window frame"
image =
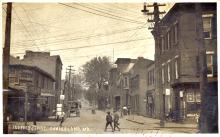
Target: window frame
[
  {"x": 211, "y": 53},
  {"x": 162, "y": 74},
  {"x": 168, "y": 71},
  {"x": 176, "y": 68},
  {"x": 207, "y": 16},
  {"x": 175, "y": 30}
]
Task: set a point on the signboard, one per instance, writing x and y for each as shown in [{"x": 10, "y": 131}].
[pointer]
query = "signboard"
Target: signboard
[
  {"x": 62, "y": 97},
  {"x": 167, "y": 92},
  {"x": 181, "y": 94},
  {"x": 59, "y": 105},
  {"x": 59, "y": 109}
]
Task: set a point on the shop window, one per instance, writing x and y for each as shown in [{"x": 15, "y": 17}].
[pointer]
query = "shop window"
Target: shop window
[{"x": 190, "y": 97}]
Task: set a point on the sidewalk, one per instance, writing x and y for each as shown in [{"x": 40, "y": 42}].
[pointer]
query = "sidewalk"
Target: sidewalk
[{"x": 156, "y": 122}]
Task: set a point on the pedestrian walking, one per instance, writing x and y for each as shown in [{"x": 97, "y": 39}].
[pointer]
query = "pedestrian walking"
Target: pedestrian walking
[
  {"x": 121, "y": 112},
  {"x": 108, "y": 121},
  {"x": 62, "y": 118},
  {"x": 116, "y": 120}
]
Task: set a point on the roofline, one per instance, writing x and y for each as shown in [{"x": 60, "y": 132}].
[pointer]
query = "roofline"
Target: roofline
[
  {"x": 33, "y": 67},
  {"x": 58, "y": 58}
]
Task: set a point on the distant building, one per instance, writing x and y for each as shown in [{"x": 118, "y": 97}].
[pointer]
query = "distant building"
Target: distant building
[
  {"x": 138, "y": 85},
  {"x": 128, "y": 84},
  {"x": 39, "y": 86},
  {"x": 47, "y": 63},
  {"x": 152, "y": 97},
  {"x": 123, "y": 67}
]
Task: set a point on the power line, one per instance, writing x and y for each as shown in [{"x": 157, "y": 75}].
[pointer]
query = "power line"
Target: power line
[
  {"x": 108, "y": 13},
  {"x": 100, "y": 14},
  {"x": 95, "y": 45},
  {"x": 24, "y": 26},
  {"x": 117, "y": 7},
  {"x": 104, "y": 8},
  {"x": 90, "y": 36}
]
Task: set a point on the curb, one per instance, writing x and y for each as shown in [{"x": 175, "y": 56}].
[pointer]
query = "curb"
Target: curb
[
  {"x": 178, "y": 127},
  {"x": 142, "y": 123}
]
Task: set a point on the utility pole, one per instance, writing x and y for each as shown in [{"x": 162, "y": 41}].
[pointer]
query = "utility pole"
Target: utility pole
[
  {"x": 204, "y": 126},
  {"x": 69, "y": 79},
  {"x": 156, "y": 33},
  {"x": 6, "y": 58}
]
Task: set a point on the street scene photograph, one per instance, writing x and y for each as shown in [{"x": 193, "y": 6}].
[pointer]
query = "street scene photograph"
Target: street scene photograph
[{"x": 109, "y": 68}]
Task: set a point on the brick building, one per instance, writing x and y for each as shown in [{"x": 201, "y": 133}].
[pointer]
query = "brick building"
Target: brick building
[
  {"x": 177, "y": 59},
  {"x": 39, "y": 86},
  {"x": 47, "y": 63}
]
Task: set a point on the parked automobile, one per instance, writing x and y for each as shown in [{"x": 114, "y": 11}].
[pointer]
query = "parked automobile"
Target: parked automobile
[{"x": 74, "y": 108}]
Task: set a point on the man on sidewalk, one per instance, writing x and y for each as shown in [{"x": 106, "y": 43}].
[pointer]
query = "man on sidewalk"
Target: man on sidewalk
[
  {"x": 108, "y": 121},
  {"x": 62, "y": 118},
  {"x": 116, "y": 120}
]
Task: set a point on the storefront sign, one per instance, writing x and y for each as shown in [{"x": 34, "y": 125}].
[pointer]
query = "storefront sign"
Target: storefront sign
[
  {"x": 62, "y": 97},
  {"x": 167, "y": 92},
  {"x": 181, "y": 94}
]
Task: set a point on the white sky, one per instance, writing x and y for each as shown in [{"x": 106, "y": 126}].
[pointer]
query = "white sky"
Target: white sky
[{"x": 51, "y": 27}]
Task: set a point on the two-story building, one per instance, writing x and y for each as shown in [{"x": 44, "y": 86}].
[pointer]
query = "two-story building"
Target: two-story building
[
  {"x": 177, "y": 58},
  {"x": 138, "y": 85},
  {"x": 119, "y": 85},
  {"x": 152, "y": 107},
  {"x": 39, "y": 86},
  {"x": 51, "y": 64}
]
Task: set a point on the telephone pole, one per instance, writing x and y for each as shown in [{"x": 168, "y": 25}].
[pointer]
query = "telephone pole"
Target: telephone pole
[
  {"x": 6, "y": 58},
  {"x": 69, "y": 87},
  {"x": 156, "y": 33}
]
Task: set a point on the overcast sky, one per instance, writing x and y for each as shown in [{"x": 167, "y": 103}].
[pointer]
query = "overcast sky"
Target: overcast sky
[{"x": 79, "y": 32}]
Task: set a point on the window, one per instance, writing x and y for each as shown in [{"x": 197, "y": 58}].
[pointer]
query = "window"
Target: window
[
  {"x": 12, "y": 71},
  {"x": 162, "y": 44},
  {"x": 11, "y": 79},
  {"x": 162, "y": 75},
  {"x": 176, "y": 69},
  {"x": 168, "y": 72},
  {"x": 190, "y": 97},
  {"x": 209, "y": 59},
  {"x": 151, "y": 77},
  {"x": 126, "y": 82},
  {"x": 42, "y": 82},
  {"x": 168, "y": 40},
  {"x": 207, "y": 26},
  {"x": 175, "y": 33},
  {"x": 198, "y": 97}
]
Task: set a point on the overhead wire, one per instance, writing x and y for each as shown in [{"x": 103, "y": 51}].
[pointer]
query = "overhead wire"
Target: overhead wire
[
  {"x": 107, "y": 13},
  {"x": 13, "y": 9},
  {"x": 98, "y": 14},
  {"x": 95, "y": 45},
  {"x": 86, "y": 37}
]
